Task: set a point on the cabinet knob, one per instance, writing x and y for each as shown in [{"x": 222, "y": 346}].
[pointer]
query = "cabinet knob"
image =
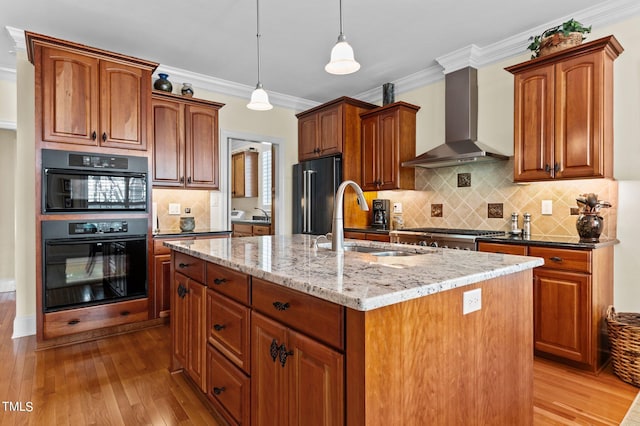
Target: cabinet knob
[
  {"x": 284, "y": 354},
  {"x": 94, "y": 135},
  {"x": 125, "y": 313},
  {"x": 219, "y": 281},
  {"x": 104, "y": 136},
  {"x": 182, "y": 291},
  {"x": 556, "y": 167},
  {"x": 218, "y": 390},
  {"x": 189, "y": 179},
  {"x": 274, "y": 349},
  {"x": 181, "y": 179},
  {"x": 281, "y": 306},
  {"x": 183, "y": 265},
  {"x": 218, "y": 327}
]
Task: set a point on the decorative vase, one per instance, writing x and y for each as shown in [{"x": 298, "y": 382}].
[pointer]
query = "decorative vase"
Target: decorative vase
[
  {"x": 589, "y": 226},
  {"x": 388, "y": 94},
  {"x": 163, "y": 84},
  {"x": 187, "y": 223},
  {"x": 187, "y": 90}
]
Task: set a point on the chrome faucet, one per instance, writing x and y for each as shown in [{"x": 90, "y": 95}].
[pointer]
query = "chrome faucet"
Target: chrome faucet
[
  {"x": 266, "y": 215},
  {"x": 337, "y": 226}
]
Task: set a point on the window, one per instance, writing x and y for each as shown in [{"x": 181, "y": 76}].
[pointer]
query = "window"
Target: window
[{"x": 266, "y": 177}]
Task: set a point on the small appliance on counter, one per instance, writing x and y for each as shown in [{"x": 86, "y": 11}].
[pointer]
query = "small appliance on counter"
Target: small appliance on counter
[
  {"x": 237, "y": 214},
  {"x": 381, "y": 213}
]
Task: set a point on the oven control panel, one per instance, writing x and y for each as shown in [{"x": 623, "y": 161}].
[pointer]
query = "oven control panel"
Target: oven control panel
[{"x": 111, "y": 227}]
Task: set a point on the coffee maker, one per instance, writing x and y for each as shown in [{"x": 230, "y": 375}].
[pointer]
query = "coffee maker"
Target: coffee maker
[{"x": 381, "y": 214}]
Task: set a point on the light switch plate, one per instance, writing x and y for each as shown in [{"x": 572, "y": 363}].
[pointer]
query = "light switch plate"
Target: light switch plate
[
  {"x": 547, "y": 207},
  {"x": 174, "y": 208},
  {"x": 397, "y": 207}
]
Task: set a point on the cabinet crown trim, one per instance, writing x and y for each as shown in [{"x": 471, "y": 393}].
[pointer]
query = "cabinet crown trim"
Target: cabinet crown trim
[{"x": 343, "y": 99}]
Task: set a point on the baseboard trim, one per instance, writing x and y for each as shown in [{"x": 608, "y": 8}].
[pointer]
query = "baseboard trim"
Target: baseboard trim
[
  {"x": 24, "y": 326},
  {"x": 7, "y": 285}
]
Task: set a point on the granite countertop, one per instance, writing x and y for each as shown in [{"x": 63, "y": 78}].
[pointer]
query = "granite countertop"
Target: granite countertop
[
  {"x": 168, "y": 233},
  {"x": 360, "y": 281},
  {"x": 551, "y": 241}
]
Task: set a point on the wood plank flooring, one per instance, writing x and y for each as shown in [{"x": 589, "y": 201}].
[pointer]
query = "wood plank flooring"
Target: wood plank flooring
[{"x": 124, "y": 380}]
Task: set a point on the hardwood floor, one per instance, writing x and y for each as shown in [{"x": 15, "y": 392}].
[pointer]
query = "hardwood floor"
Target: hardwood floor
[{"x": 124, "y": 380}]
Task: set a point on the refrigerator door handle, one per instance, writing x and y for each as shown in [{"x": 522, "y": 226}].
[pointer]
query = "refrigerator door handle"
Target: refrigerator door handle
[
  {"x": 305, "y": 199},
  {"x": 309, "y": 201}
]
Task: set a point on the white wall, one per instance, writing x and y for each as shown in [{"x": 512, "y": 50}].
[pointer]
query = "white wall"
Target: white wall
[{"x": 7, "y": 216}]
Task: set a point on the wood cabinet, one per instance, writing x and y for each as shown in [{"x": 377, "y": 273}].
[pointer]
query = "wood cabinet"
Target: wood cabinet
[
  {"x": 244, "y": 174},
  {"x": 388, "y": 139},
  {"x": 330, "y": 129},
  {"x": 563, "y": 113},
  {"x": 248, "y": 230},
  {"x": 185, "y": 142},
  {"x": 371, "y": 236},
  {"x": 87, "y": 96},
  {"x": 188, "y": 322},
  {"x": 571, "y": 293}
]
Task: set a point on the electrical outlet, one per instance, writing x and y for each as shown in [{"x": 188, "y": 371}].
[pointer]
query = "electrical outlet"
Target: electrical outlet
[
  {"x": 471, "y": 301},
  {"x": 547, "y": 207},
  {"x": 174, "y": 208},
  {"x": 397, "y": 207},
  {"x": 187, "y": 210}
]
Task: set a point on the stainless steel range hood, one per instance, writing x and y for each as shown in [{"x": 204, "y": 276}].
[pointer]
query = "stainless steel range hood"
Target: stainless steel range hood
[{"x": 461, "y": 126}]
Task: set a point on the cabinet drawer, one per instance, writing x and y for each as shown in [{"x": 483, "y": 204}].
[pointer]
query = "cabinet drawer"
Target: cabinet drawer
[
  {"x": 228, "y": 325},
  {"x": 242, "y": 228},
  {"x": 73, "y": 321},
  {"x": 228, "y": 388},
  {"x": 502, "y": 248},
  {"x": 310, "y": 315},
  {"x": 565, "y": 259},
  {"x": 229, "y": 282},
  {"x": 189, "y": 266},
  {"x": 261, "y": 230}
]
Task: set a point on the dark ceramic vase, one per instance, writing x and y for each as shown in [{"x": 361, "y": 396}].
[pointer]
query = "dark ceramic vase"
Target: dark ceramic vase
[
  {"x": 187, "y": 90},
  {"x": 589, "y": 227},
  {"x": 163, "y": 84},
  {"x": 187, "y": 223}
]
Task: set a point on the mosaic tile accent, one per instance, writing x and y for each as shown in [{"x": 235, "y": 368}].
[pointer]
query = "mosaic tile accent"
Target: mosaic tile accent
[
  {"x": 467, "y": 207},
  {"x": 495, "y": 210},
  {"x": 464, "y": 180},
  {"x": 436, "y": 210}
]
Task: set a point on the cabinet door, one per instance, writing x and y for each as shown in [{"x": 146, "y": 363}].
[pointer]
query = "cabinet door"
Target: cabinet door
[
  {"x": 308, "y": 137},
  {"x": 196, "y": 334},
  {"x": 562, "y": 313},
  {"x": 179, "y": 316},
  {"x": 168, "y": 143},
  {"x": 316, "y": 383},
  {"x": 370, "y": 157},
  {"x": 269, "y": 395},
  {"x": 162, "y": 287},
  {"x": 330, "y": 131},
  {"x": 534, "y": 124},
  {"x": 237, "y": 175},
  {"x": 202, "y": 155},
  {"x": 124, "y": 105},
  {"x": 69, "y": 97},
  {"x": 579, "y": 135},
  {"x": 388, "y": 146}
]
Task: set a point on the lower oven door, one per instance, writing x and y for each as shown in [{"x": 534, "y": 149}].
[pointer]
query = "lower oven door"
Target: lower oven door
[{"x": 90, "y": 271}]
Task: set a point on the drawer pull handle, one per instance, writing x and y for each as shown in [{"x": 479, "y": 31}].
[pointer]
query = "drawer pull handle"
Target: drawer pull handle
[
  {"x": 73, "y": 322},
  {"x": 183, "y": 265},
  {"x": 274, "y": 349},
  {"x": 218, "y": 327},
  {"x": 182, "y": 291},
  {"x": 281, "y": 306},
  {"x": 218, "y": 390},
  {"x": 284, "y": 354},
  {"x": 219, "y": 281},
  {"x": 125, "y": 313},
  {"x": 556, "y": 259}
]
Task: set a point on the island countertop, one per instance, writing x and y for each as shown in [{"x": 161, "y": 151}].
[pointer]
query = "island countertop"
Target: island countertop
[{"x": 360, "y": 281}]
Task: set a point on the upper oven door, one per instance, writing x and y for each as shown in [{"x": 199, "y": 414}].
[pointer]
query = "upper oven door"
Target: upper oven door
[{"x": 66, "y": 190}]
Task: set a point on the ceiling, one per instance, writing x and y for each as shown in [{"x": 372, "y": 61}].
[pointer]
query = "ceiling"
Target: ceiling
[{"x": 217, "y": 38}]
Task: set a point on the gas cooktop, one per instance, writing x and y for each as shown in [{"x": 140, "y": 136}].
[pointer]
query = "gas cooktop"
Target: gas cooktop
[{"x": 454, "y": 231}]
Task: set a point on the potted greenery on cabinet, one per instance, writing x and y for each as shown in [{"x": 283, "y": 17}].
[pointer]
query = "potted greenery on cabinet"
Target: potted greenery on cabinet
[{"x": 569, "y": 34}]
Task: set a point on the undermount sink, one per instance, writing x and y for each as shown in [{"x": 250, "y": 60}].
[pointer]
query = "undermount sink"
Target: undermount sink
[{"x": 374, "y": 251}]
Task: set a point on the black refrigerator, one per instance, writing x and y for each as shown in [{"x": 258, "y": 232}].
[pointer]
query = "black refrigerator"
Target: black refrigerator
[{"x": 315, "y": 183}]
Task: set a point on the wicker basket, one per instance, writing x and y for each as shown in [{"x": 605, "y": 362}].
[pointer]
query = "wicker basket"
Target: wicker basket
[
  {"x": 559, "y": 41},
  {"x": 624, "y": 338}
]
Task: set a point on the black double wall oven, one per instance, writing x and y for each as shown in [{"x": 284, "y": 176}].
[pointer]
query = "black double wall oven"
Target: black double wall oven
[{"x": 88, "y": 257}]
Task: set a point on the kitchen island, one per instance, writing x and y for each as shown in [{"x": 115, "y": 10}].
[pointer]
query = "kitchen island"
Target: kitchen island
[{"x": 354, "y": 338}]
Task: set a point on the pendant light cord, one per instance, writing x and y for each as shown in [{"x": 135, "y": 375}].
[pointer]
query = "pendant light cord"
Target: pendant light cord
[
  {"x": 341, "y": 32},
  {"x": 258, "y": 38}
]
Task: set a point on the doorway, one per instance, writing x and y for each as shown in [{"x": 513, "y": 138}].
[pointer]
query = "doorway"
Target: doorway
[{"x": 267, "y": 197}]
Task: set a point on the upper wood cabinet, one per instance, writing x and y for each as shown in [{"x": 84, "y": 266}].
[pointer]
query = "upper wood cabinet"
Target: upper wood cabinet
[
  {"x": 185, "y": 142},
  {"x": 244, "y": 174},
  {"x": 563, "y": 113},
  {"x": 388, "y": 139},
  {"x": 88, "y": 96},
  {"x": 331, "y": 128}
]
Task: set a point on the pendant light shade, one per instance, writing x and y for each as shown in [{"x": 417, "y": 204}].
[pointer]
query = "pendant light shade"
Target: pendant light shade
[
  {"x": 342, "y": 58},
  {"x": 259, "y": 97}
]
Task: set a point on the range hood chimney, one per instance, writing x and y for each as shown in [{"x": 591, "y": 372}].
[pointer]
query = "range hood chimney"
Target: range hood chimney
[{"x": 461, "y": 126}]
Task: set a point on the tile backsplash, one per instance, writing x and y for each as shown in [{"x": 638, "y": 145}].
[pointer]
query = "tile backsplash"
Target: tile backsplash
[
  {"x": 492, "y": 183},
  {"x": 197, "y": 201}
]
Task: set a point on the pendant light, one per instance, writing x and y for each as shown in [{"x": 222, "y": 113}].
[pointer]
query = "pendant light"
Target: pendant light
[
  {"x": 342, "y": 59},
  {"x": 259, "y": 97}
]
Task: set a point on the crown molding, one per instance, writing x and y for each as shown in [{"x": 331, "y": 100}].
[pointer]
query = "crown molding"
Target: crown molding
[
  {"x": 231, "y": 88},
  {"x": 17, "y": 35},
  {"x": 8, "y": 125},
  {"x": 405, "y": 84}
]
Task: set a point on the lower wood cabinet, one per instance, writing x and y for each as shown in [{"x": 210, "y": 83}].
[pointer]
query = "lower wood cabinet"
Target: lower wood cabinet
[
  {"x": 295, "y": 380},
  {"x": 248, "y": 230},
  {"x": 229, "y": 389},
  {"x": 371, "y": 236},
  {"x": 571, "y": 293}
]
